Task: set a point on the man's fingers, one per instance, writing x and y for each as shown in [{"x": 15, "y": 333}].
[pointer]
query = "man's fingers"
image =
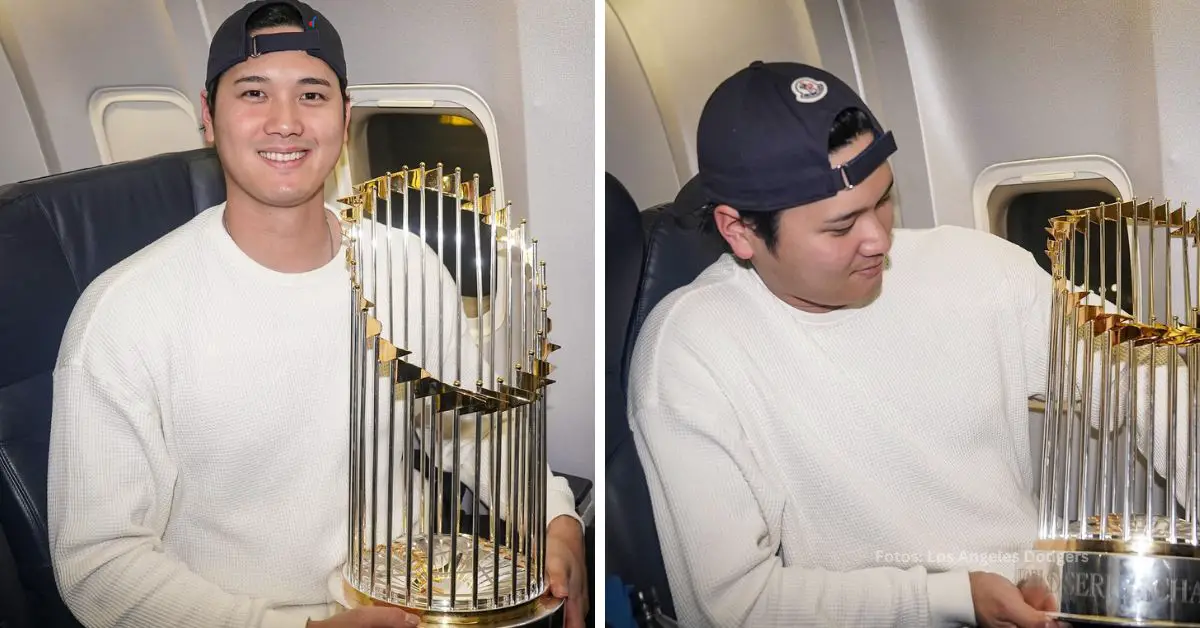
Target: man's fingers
[
  {"x": 1041, "y": 599},
  {"x": 1025, "y": 616},
  {"x": 573, "y": 618},
  {"x": 557, "y": 577},
  {"x": 1038, "y": 595}
]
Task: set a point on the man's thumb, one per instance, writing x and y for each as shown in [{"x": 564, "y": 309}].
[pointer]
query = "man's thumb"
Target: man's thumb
[{"x": 388, "y": 617}]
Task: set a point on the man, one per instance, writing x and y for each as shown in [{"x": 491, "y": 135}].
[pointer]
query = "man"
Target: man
[
  {"x": 199, "y": 441},
  {"x": 821, "y": 445}
]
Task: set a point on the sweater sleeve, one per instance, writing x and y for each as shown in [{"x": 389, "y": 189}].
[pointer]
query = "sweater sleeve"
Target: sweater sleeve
[
  {"x": 110, "y": 481},
  {"x": 718, "y": 517},
  {"x": 1035, "y": 293}
]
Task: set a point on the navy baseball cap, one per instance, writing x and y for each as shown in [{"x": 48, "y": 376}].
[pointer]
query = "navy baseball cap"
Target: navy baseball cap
[
  {"x": 232, "y": 43},
  {"x": 763, "y": 138}
]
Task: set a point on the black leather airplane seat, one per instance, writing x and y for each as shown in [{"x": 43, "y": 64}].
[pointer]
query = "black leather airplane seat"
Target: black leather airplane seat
[
  {"x": 57, "y": 234},
  {"x": 672, "y": 251},
  {"x": 631, "y": 539}
]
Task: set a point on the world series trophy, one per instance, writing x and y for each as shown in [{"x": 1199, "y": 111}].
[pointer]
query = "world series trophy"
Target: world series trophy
[
  {"x": 424, "y": 402},
  {"x": 1111, "y": 549}
]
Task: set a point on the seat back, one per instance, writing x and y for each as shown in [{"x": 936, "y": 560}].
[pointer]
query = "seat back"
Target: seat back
[
  {"x": 57, "y": 234},
  {"x": 673, "y": 251},
  {"x": 631, "y": 538},
  {"x": 677, "y": 251}
]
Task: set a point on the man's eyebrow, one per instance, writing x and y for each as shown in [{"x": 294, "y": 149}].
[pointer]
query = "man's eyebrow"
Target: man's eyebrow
[
  {"x": 857, "y": 212},
  {"x": 310, "y": 80}
]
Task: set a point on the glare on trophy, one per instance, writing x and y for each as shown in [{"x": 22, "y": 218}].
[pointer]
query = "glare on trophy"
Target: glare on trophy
[
  {"x": 448, "y": 376},
  {"x": 1119, "y": 527}
]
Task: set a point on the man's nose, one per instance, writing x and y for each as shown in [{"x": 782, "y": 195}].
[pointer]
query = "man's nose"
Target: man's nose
[
  {"x": 876, "y": 237},
  {"x": 284, "y": 119}
]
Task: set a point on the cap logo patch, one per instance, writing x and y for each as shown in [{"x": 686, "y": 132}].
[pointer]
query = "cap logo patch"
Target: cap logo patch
[{"x": 808, "y": 90}]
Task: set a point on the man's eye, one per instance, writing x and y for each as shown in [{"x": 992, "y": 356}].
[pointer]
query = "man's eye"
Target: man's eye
[
  {"x": 842, "y": 232},
  {"x": 314, "y": 96},
  {"x": 252, "y": 93}
]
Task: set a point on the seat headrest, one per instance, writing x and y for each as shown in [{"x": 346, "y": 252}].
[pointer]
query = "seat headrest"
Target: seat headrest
[
  {"x": 623, "y": 254},
  {"x": 677, "y": 250},
  {"x": 691, "y": 196},
  {"x": 58, "y": 233}
]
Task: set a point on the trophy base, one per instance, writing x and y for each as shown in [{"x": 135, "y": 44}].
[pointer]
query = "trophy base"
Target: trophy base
[
  {"x": 493, "y": 600},
  {"x": 1117, "y": 583},
  {"x": 542, "y": 612}
]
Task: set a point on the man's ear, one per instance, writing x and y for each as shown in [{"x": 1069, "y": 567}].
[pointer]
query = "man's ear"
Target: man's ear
[
  {"x": 346, "y": 126},
  {"x": 736, "y": 232},
  {"x": 206, "y": 118}
]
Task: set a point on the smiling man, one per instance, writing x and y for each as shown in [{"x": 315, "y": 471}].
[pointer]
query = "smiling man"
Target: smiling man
[
  {"x": 199, "y": 437},
  {"x": 833, "y": 417}
]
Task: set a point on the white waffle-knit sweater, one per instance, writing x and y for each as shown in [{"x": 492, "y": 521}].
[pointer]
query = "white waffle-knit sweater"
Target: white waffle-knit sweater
[
  {"x": 847, "y": 468},
  {"x": 199, "y": 445}
]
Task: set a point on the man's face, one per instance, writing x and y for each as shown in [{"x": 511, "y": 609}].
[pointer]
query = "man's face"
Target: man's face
[
  {"x": 829, "y": 254},
  {"x": 282, "y": 125}
]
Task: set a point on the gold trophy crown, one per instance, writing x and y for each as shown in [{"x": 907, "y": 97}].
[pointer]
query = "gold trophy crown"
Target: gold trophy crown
[
  {"x": 449, "y": 375},
  {"x": 1115, "y": 547}
]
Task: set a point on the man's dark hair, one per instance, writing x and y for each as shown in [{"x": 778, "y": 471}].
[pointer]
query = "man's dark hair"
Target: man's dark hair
[
  {"x": 270, "y": 16},
  {"x": 847, "y": 126}
]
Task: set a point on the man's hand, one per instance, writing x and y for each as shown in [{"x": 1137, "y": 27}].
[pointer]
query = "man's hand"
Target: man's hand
[
  {"x": 369, "y": 617},
  {"x": 1001, "y": 604},
  {"x": 566, "y": 568}
]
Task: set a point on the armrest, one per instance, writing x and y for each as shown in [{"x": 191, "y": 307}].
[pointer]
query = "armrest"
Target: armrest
[{"x": 584, "y": 497}]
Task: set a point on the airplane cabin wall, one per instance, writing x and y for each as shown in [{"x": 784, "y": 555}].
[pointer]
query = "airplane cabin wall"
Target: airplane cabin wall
[
  {"x": 685, "y": 49},
  {"x": 637, "y": 151},
  {"x": 21, "y": 156},
  {"x": 1023, "y": 79},
  {"x": 962, "y": 85},
  {"x": 68, "y": 49},
  {"x": 858, "y": 40},
  {"x": 532, "y": 63}
]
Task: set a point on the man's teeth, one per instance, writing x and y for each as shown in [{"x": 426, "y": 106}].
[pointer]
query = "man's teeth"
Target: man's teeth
[{"x": 283, "y": 156}]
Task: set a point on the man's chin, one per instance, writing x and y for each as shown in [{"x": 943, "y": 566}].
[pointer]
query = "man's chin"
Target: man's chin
[
  {"x": 872, "y": 293},
  {"x": 864, "y": 296},
  {"x": 285, "y": 199}
]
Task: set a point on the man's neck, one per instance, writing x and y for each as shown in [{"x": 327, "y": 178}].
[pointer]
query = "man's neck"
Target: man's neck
[{"x": 285, "y": 239}]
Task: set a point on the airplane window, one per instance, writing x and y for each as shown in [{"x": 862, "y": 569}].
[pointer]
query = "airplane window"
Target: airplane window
[
  {"x": 134, "y": 122},
  {"x": 448, "y": 136},
  {"x": 395, "y": 140},
  {"x": 1029, "y": 214}
]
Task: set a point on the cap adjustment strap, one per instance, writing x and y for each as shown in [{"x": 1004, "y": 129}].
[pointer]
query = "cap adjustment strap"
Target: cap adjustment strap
[
  {"x": 856, "y": 170},
  {"x": 278, "y": 42}
]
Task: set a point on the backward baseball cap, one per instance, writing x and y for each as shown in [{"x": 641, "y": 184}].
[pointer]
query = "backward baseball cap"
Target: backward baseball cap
[
  {"x": 763, "y": 138},
  {"x": 232, "y": 43}
]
